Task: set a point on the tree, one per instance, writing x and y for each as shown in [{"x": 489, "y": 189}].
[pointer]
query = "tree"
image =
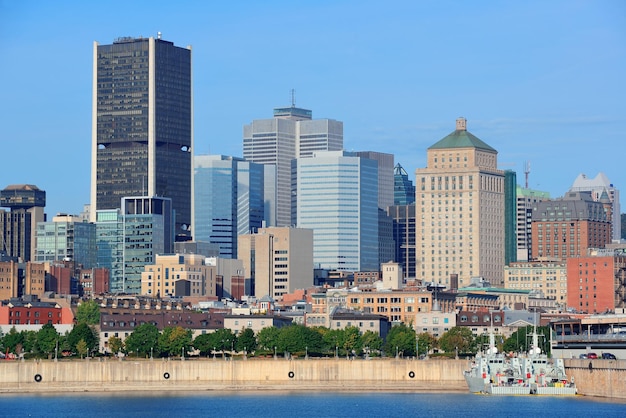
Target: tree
[
  {"x": 298, "y": 339},
  {"x": 82, "y": 348},
  {"x": 143, "y": 340},
  {"x": 246, "y": 340},
  {"x": 47, "y": 339},
  {"x": 458, "y": 339},
  {"x": 204, "y": 343},
  {"x": 12, "y": 339},
  {"x": 174, "y": 341},
  {"x": 372, "y": 342},
  {"x": 116, "y": 345},
  {"x": 332, "y": 340},
  {"x": 351, "y": 339},
  {"x": 88, "y": 312},
  {"x": 425, "y": 343},
  {"x": 400, "y": 340},
  {"x": 521, "y": 340},
  {"x": 267, "y": 338},
  {"x": 84, "y": 332}
]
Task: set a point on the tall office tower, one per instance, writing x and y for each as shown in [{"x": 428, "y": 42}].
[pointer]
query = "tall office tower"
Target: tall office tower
[
  {"x": 292, "y": 133},
  {"x": 279, "y": 260},
  {"x": 601, "y": 189},
  {"x": 403, "y": 188},
  {"x": 142, "y": 133},
  {"x": 510, "y": 216},
  {"x": 526, "y": 200},
  {"x": 67, "y": 238},
  {"x": 336, "y": 194},
  {"x": 404, "y": 228},
  {"x": 18, "y": 226},
  {"x": 228, "y": 200},
  {"x": 385, "y": 177},
  {"x": 128, "y": 239},
  {"x": 568, "y": 226},
  {"x": 460, "y": 201}
]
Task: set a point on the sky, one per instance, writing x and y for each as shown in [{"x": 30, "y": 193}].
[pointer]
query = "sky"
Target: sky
[{"x": 540, "y": 81}]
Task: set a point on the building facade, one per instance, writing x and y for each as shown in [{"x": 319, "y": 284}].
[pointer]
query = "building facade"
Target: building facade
[
  {"x": 404, "y": 232},
  {"x": 291, "y": 133},
  {"x": 67, "y": 238},
  {"x": 567, "y": 227},
  {"x": 460, "y": 207},
  {"x": 403, "y": 188},
  {"x": 601, "y": 188},
  {"x": 228, "y": 200},
  {"x": 18, "y": 226},
  {"x": 20, "y": 279},
  {"x": 142, "y": 134},
  {"x": 278, "y": 260},
  {"x": 548, "y": 277},
  {"x": 335, "y": 195},
  {"x": 526, "y": 200}
]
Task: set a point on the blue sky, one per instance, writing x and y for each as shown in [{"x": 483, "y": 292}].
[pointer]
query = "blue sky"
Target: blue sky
[{"x": 540, "y": 81}]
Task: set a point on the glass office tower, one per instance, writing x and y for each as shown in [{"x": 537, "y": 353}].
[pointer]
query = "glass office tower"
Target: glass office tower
[{"x": 142, "y": 135}]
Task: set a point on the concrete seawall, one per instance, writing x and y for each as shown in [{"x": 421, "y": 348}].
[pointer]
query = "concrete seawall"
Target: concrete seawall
[
  {"x": 253, "y": 374},
  {"x": 603, "y": 378}
]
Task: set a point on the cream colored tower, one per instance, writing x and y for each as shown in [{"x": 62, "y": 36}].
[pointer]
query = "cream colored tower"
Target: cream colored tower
[{"x": 460, "y": 211}]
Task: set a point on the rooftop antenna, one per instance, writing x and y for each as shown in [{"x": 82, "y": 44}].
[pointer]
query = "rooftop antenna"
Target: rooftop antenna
[
  {"x": 526, "y": 171},
  {"x": 293, "y": 98}
]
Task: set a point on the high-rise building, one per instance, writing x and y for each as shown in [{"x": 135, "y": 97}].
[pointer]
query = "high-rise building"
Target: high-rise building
[
  {"x": 526, "y": 200},
  {"x": 142, "y": 134},
  {"x": 279, "y": 260},
  {"x": 404, "y": 228},
  {"x": 547, "y": 277},
  {"x": 602, "y": 189},
  {"x": 568, "y": 226},
  {"x": 67, "y": 238},
  {"x": 336, "y": 195},
  {"x": 403, "y": 188},
  {"x": 228, "y": 200},
  {"x": 128, "y": 239},
  {"x": 18, "y": 226},
  {"x": 292, "y": 133},
  {"x": 385, "y": 176},
  {"x": 510, "y": 216},
  {"x": 460, "y": 201},
  {"x": 20, "y": 279}
]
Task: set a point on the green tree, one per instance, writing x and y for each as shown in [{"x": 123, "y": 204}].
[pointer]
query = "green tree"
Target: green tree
[
  {"x": 88, "y": 312},
  {"x": 521, "y": 340},
  {"x": 30, "y": 342},
  {"x": 174, "y": 341},
  {"x": 12, "y": 339},
  {"x": 267, "y": 338},
  {"x": 372, "y": 342},
  {"x": 332, "y": 340},
  {"x": 47, "y": 338},
  {"x": 351, "y": 340},
  {"x": 458, "y": 339},
  {"x": 400, "y": 340},
  {"x": 143, "y": 339},
  {"x": 425, "y": 343},
  {"x": 298, "y": 339},
  {"x": 204, "y": 343},
  {"x": 116, "y": 345},
  {"x": 84, "y": 332},
  {"x": 246, "y": 340},
  {"x": 82, "y": 348}
]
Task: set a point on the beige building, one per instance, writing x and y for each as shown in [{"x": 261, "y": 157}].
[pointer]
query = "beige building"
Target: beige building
[
  {"x": 460, "y": 211},
  {"x": 279, "y": 260},
  {"x": 391, "y": 275},
  {"x": 179, "y": 275},
  {"x": 32, "y": 275},
  {"x": 549, "y": 277}
]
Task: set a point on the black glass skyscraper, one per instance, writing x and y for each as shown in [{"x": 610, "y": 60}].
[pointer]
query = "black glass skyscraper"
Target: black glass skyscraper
[{"x": 142, "y": 132}]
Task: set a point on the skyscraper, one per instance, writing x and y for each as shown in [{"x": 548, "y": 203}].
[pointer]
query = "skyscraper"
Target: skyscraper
[
  {"x": 142, "y": 134},
  {"x": 67, "y": 238},
  {"x": 292, "y": 133},
  {"x": 228, "y": 200},
  {"x": 18, "y": 227},
  {"x": 460, "y": 201},
  {"x": 336, "y": 194},
  {"x": 403, "y": 188},
  {"x": 526, "y": 200}
]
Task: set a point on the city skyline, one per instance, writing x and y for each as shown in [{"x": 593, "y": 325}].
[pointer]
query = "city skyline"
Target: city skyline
[{"x": 538, "y": 82}]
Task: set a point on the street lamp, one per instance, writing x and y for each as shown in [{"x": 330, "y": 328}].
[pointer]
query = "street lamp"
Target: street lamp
[
  {"x": 151, "y": 348},
  {"x": 396, "y": 351},
  {"x": 336, "y": 352},
  {"x": 306, "y": 355},
  {"x": 214, "y": 350},
  {"x": 275, "y": 353},
  {"x": 182, "y": 355}
]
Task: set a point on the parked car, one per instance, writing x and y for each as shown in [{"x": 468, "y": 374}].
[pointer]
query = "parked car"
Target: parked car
[
  {"x": 592, "y": 355},
  {"x": 609, "y": 356},
  {"x": 583, "y": 356}
]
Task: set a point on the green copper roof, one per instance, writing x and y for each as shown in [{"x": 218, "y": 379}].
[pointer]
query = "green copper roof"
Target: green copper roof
[{"x": 461, "y": 139}]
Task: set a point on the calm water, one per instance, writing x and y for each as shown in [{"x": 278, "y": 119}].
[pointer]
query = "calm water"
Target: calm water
[{"x": 301, "y": 405}]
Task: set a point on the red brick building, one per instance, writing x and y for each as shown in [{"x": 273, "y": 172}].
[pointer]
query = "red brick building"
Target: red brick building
[
  {"x": 597, "y": 283},
  {"x": 29, "y": 310}
]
